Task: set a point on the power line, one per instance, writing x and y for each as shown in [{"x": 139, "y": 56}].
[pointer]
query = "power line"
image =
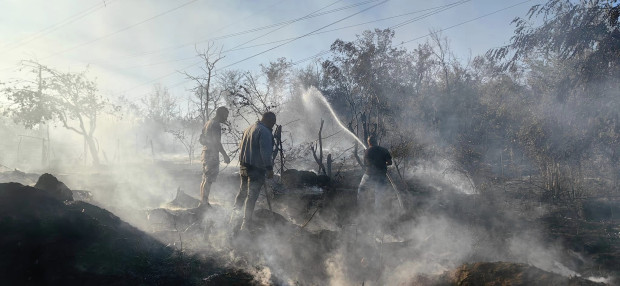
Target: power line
[
  {"x": 297, "y": 38},
  {"x": 11, "y": 46},
  {"x": 277, "y": 29},
  {"x": 251, "y": 30},
  {"x": 465, "y": 22},
  {"x": 434, "y": 11},
  {"x": 240, "y": 45},
  {"x": 260, "y": 53},
  {"x": 321, "y": 53},
  {"x": 121, "y": 30},
  {"x": 450, "y": 27},
  {"x": 449, "y": 6}
]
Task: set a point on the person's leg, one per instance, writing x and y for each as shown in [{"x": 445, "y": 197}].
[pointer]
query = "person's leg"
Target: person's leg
[
  {"x": 380, "y": 194},
  {"x": 257, "y": 180},
  {"x": 362, "y": 194},
  {"x": 235, "y": 219},
  {"x": 365, "y": 205},
  {"x": 203, "y": 186},
  {"x": 203, "y": 183},
  {"x": 243, "y": 188},
  {"x": 204, "y": 193},
  {"x": 210, "y": 170},
  {"x": 381, "y": 203}
]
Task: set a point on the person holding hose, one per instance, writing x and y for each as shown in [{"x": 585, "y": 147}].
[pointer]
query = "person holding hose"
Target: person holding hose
[{"x": 372, "y": 194}]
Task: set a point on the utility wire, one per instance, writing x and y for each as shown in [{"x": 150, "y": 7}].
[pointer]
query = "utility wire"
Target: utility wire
[
  {"x": 399, "y": 25},
  {"x": 11, "y": 46},
  {"x": 444, "y": 29},
  {"x": 260, "y": 53},
  {"x": 465, "y": 22},
  {"x": 121, "y": 30},
  {"x": 435, "y": 10},
  {"x": 305, "y": 35},
  {"x": 212, "y": 39},
  {"x": 277, "y": 29},
  {"x": 452, "y": 5},
  {"x": 238, "y": 47},
  {"x": 321, "y": 53}
]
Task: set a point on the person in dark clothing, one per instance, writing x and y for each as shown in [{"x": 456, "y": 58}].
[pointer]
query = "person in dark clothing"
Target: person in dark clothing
[
  {"x": 372, "y": 191},
  {"x": 256, "y": 162}
]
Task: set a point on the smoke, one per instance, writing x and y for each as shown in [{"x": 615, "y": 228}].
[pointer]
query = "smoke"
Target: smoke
[{"x": 447, "y": 223}]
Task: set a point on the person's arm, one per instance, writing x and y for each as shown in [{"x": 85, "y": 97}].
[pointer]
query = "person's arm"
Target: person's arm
[{"x": 220, "y": 148}]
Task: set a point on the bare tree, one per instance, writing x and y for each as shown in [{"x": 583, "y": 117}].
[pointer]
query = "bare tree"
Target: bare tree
[
  {"x": 207, "y": 98},
  {"x": 186, "y": 129}
]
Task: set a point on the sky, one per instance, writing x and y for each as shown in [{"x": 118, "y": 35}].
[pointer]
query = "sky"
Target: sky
[{"x": 129, "y": 46}]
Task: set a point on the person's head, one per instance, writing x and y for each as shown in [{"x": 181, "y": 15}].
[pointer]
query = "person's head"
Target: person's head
[
  {"x": 269, "y": 119},
  {"x": 221, "y": 113},
  {"x": 372, "y": 140}
]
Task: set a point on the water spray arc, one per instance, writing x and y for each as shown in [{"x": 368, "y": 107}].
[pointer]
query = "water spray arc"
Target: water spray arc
[{"x": 320, "y": 97}]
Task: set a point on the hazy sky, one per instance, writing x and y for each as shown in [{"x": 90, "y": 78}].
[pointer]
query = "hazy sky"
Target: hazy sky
[{"x": 129, "y": 45}]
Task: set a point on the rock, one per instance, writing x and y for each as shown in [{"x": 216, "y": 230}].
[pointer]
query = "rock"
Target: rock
[
  {"x": 292, "y": 178},
  {"x": 183, "y": 200},
  {"x": 58, "y": 189}
]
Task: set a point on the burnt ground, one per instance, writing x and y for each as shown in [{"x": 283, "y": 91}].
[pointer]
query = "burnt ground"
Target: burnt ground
[{"x": 48, "y": 241}]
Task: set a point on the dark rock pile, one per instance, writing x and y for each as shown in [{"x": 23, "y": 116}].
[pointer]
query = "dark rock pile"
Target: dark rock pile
[{"x": 48, "y": 239}]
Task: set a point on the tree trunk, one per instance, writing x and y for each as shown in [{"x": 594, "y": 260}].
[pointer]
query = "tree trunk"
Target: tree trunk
[{"x": 93, "y": 150}]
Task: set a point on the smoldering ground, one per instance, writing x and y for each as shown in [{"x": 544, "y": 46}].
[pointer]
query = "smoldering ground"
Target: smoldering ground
[
  {"x": 446, "y": 223},
  {"x": 317, "y": 235}
]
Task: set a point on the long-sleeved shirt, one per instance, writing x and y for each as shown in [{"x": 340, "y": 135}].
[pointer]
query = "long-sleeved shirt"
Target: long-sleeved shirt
[{"x": 256, "y": 147}]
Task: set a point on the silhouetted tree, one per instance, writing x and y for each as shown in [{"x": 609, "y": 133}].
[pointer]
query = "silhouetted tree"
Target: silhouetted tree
[{"x": 70, "y": 98}]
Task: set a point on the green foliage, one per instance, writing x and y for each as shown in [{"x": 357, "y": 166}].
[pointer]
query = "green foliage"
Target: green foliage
[{"x": 588, "y": 30}]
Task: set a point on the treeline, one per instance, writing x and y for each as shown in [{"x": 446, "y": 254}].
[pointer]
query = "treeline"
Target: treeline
[{"x": 546, "y": 105}]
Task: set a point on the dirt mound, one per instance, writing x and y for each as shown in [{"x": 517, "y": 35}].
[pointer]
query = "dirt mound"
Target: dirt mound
[
  {"x": 58, "y": 189},
  {"x": 48, "y": 241},
  {"x": 183, "y": 200}
]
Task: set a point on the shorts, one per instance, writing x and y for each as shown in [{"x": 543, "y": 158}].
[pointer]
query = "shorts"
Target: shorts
[{"x": 210, "y": 165}]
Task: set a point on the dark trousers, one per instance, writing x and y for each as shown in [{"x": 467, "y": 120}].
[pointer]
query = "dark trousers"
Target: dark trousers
[{"x": 252, "y": 180}]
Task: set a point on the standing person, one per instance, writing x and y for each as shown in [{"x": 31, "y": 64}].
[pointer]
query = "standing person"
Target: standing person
[
  {"x": 255, "y": 161},
  {"x": 371, "y": 194},
  {"x": 211, "y": 139}
]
